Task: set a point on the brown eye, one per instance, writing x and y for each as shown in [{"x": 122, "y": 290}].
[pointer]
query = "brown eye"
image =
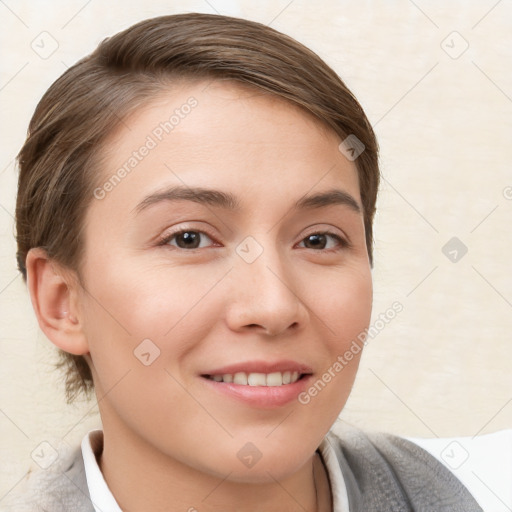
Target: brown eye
[
  {"x": 316, "y": 241},
  {"x": 321, "y": 241},
  {"x": 189, "y": 240}
]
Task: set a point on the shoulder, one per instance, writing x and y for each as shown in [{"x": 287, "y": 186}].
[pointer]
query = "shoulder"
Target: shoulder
[
  {"x": 386, "y": 472},
  {"x": 60, "y": 486}
]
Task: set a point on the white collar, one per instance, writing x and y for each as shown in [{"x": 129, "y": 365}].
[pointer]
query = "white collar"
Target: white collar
[
  {"x": 332, "y": 466},
  {"x": 101, "y": 497},
  {"x": 104, "y": 501}
]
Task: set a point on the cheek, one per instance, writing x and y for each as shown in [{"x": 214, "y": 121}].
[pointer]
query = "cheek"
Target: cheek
[
  {"x": 343, "y": 309},
  {"x": 350, "y": 308},
  {"x": 143, "y": 332},
  {"x": 130, "y": 312},
  {"x": 341, "y": 300}
]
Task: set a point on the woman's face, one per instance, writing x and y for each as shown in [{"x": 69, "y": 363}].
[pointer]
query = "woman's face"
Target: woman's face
[{"x": 229, "y": 245}]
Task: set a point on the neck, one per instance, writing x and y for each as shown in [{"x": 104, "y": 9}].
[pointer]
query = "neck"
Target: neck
[{"x": 143, "y": 478}]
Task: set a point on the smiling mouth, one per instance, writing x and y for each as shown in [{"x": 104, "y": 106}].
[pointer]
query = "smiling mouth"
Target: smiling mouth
[{"x": 258, "y": 379}]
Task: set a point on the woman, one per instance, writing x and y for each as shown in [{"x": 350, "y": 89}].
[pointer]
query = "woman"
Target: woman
[{"x": 194, "y": 222}]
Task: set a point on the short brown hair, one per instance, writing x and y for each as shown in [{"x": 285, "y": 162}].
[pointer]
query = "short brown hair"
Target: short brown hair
[{"x": 60, "y": 160}]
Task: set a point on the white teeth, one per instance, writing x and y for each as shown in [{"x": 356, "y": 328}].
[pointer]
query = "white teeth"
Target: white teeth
[
  {"x": 275, "y": 379},
  {"x": 258, "y": 379},
  {"x": 240, "y": 378}
]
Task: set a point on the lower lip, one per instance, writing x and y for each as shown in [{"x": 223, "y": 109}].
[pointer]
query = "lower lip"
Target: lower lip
[{"x": 268, "y": 397}]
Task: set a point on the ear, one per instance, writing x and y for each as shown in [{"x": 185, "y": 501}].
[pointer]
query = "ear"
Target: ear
[{"x": 54, "y": 295}]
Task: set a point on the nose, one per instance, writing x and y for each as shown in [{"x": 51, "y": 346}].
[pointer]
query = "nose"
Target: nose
[{"x": 263, "y": 297}]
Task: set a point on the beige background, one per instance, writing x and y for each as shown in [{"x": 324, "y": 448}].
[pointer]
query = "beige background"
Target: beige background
[{"x": 443, "y": 117}]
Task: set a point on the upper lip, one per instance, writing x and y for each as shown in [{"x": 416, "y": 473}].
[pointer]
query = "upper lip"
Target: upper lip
[{"x": 261, "y": 367}]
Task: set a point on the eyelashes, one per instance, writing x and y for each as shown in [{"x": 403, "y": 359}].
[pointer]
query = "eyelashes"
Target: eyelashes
[
  {"x": 322, "y": 238},
  {"x": 193, "y": 239},
  {"x": 187, "y": 239}
]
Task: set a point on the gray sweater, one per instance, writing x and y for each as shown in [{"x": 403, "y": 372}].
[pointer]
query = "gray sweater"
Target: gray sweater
[{"x": 382, "y": 473}]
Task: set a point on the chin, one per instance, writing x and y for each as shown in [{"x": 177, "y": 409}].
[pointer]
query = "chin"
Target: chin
[
  {"x": 261, "y": 462},
  {"x": 265, "y": 472}
]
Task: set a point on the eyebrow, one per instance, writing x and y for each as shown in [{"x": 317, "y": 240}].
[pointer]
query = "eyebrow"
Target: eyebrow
[
  {"x": 329, "y": 198},
  {"x": 196, "y": 194},
  {"x": 228, "y": 201}
]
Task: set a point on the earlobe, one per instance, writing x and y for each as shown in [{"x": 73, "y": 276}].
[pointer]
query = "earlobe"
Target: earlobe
[{"x": 54, "y": 296}]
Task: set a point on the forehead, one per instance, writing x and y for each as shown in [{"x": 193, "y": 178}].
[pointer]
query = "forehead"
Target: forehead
[{"x": 224, "y": 134}]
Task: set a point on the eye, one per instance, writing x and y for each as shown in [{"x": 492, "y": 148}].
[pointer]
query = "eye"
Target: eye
[
  {"x": 321, "y": 241},
  {"x": 188, "y": 239}
]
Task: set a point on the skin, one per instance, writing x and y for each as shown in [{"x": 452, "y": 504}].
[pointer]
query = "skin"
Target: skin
[{"x": 169, "y": 439}]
